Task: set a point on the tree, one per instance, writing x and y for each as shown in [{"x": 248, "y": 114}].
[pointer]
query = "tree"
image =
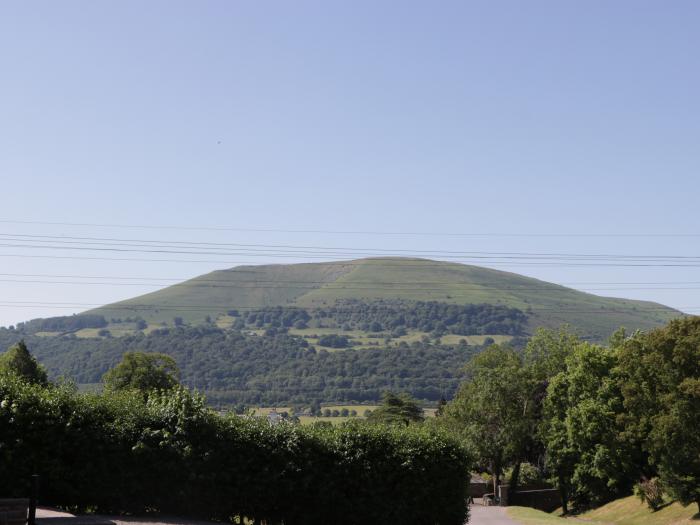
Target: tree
[
  {"x": 490, "y": 410},
  {"x": 18, "y": 361},
  {"x": 661, "y": 386},
  {"x": 144, "y": 372},
  {"x": 440, "y": 410},
  {"x": 589, "y": 461},
  {"x": 397, "y": 408}
]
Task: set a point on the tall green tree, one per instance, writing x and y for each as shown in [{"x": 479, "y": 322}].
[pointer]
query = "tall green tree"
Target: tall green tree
[
  {"x": 18, "y": 361},
  {"x": 397, "y": 408},
  {"x": 589, "y": 461},
  {"x": 660, "y": 373},
  {"x": 491, "y": 410},
  {"x": 144, "y": 372}
]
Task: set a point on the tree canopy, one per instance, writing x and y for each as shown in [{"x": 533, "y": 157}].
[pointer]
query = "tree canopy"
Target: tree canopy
[
  {"x": 397, "y": 408},
  {"x": 18, "y": 361},
  {"x": 660, "y": 374},
  {"x": 490, "y": 411},
  {"x": 144, "y": 372}
]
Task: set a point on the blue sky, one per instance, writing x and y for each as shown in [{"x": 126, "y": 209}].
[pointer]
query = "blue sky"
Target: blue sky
[{"x": 472, "y": 117}]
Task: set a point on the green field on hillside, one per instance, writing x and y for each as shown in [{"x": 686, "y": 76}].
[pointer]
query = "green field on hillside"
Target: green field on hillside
[
  {"x": 313, "y": 285},
  {"x": 361, "y": 340}
]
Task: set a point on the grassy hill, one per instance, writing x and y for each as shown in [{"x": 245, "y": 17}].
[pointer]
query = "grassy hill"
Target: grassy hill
[
  {"x": 311, "y": 285},
  {"x": 625, "y": 511}
]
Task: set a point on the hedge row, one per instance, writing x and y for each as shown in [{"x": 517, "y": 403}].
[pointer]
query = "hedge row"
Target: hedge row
[{"x": 170, "y": 454}]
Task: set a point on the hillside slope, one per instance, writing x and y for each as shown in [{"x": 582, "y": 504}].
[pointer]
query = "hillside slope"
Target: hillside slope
[
  {"x": 625, "y": 511},
  {"x": 310, "y": 285}
]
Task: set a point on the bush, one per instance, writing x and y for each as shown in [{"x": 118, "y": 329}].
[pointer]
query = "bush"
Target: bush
[
  {"x": 120, "y": 453},
  {"x": 334, "y": 341},
  {"x": 650, "y": 492}
]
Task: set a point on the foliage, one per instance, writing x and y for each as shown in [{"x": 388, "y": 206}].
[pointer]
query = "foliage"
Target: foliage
[
  {"x": 651, "y": 492},
  {"x": 333, "y": 341},
  {"x": 527, "y": 474},
  {"x": 397, "y": 408},
  {"x": 121, "y": 453},
  {"x": 394, "y": 315},
  {"x": 489, "y": 411},
  {"x": 589, "y": 460},
  {"x": 661, "y": 387},
  {"x": 234, "y": 367},
  {"x": 144, "y": 372},
  {"x": 18, "y": 361},
  {"x": 69, "y": 323}
]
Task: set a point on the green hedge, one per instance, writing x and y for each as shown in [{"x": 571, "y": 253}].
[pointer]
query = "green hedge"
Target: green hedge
[{"x": 170, "y": 454}]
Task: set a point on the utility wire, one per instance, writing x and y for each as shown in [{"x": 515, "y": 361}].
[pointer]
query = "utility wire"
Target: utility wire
[
  {"x": 403, "y": 265},
  {"x": 315, "y": 254},
  {"x": 399, "y": 287},
  {"x": 201, "y": 279},
  {"x": 288, "y": 248},
  {"x": 352, "y": 232}
]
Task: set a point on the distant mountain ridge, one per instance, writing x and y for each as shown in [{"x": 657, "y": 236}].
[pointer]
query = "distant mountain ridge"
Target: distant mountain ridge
[{"x": 318, "y": 285}]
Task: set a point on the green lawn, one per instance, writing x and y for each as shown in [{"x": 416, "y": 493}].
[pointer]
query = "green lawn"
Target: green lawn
[
  {"x": 528, "y": 516},
  {"x": 631, "y": 511},
  {"x": 624, "y": 511}
]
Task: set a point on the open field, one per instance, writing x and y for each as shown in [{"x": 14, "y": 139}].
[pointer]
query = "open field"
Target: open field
[
  {"x": 305, "y": 420},
  {"x": 312, "y": 285},
  {"x": 624, "y": 511},
  {"x": 361, "y": 340}
]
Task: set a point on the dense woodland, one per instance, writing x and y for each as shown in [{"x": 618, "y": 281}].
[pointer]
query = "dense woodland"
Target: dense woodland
[
  {"x": 392, "y": 316},
  {"x": 234, "y": 367}
]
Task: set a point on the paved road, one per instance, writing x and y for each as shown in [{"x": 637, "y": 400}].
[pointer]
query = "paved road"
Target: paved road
[
  {"x": 480, "y": 515},
  {"x": 47, "y": 516}
]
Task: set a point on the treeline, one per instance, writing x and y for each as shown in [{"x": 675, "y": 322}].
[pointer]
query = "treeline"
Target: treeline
[
  {"x": 69, "y": 323},
  {"x": 168, "y": 453},
  {"x": 596, "y": 421},
  {"x": 234, "y": 367},
  {"x": 392, "y": 316}
]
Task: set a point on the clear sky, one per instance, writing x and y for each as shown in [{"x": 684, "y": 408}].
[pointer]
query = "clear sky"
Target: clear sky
[{"x": 508, "y": 117}]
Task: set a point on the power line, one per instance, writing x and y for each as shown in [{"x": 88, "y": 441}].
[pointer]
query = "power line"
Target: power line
[
  {"x": 199, "y": 279},
  {"x": 303, "y": 249},
  {"x": 351, "y": 232},
  {"x": 426, "y": 264},
  {"x": 349, "y": 286},
  {"x": 315, "y": 252}
]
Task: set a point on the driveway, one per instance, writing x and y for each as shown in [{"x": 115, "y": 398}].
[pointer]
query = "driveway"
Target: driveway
[{"x": 480, "y": 515}]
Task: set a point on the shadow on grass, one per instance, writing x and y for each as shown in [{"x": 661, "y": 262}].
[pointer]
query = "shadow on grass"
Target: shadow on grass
[{"x": 664, "y": 505}]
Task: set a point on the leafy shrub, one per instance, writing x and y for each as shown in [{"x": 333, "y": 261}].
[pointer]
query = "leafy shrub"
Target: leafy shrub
[
  {"x": 650, "y": 492},
  {"x": 171, "y": 454},
  {"x": 333, "y": 341}
]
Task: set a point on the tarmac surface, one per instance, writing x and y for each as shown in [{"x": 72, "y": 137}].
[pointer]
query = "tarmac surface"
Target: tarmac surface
[
  {"x": 492, "y": 515},
  {"x": 478, "y": 515}
]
